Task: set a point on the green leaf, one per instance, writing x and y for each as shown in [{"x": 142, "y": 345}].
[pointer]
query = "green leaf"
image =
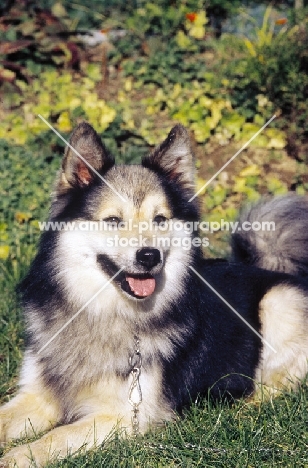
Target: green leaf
[
  {"x": 233, "y": 122},
  {"x": 202, "y": 131}
]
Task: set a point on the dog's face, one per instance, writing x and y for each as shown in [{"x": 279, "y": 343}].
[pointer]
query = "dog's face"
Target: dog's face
[{"x": 129, "y": 221}]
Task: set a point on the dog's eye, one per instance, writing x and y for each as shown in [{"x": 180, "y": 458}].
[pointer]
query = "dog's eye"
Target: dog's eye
[
  {"x": 160, "y": 220},
  {"x": 113, "y": 221}
]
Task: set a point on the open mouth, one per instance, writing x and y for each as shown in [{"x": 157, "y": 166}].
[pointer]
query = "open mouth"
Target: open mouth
[{"x": 139, "y": 286}]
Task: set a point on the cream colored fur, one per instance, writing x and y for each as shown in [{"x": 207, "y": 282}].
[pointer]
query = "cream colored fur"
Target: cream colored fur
[
  {"x": 101, "y": 409},
  {"x": 284, "y": 324}
]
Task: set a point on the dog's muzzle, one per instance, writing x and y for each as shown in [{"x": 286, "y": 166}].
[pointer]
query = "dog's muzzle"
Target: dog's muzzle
[{"x": 143, "y": 285}]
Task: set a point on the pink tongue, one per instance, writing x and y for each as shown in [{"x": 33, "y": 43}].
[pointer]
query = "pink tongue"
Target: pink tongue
[{"x": 141, "y": 287}]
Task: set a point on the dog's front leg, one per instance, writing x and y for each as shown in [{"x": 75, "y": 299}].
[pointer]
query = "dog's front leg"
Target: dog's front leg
[
  {"x": 84, "y": 434},
  {"x": 31, "y": 411}
]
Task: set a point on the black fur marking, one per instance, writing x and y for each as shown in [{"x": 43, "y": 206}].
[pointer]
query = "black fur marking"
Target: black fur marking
[
  {"x": 220, "y": 353},
  {"x": 39, "y": 286},
  {"x": 108, "y": 266}
]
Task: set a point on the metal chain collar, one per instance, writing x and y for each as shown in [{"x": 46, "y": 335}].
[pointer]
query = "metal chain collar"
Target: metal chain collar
[{"x": 135, "y": 395}]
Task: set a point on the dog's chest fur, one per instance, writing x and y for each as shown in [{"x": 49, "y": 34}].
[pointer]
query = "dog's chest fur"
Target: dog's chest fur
[{"x": 96, "y": 348}]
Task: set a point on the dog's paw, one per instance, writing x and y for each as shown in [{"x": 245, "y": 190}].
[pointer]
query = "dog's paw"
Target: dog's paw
[
  {"x": 9, "y": 426},
  {"x": 7, "y": 463},
  {"x": 19, "y": 457},
  {"x": 3, "y": 464}
]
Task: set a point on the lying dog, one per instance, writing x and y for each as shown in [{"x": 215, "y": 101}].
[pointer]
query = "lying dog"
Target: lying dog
[{"x": 127, "y": 323}]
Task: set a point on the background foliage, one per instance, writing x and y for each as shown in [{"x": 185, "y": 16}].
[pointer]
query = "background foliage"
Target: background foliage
[{"x": 222, "y": 68}]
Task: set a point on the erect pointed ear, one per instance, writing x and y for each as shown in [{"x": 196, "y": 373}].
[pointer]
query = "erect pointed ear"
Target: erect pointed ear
[
  {"x": 174, "y": 158},
  {"x": 85, "y": 156}
]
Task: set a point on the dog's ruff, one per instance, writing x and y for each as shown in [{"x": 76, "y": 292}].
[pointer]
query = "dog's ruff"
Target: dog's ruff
[{"x": 77, "y": 388}]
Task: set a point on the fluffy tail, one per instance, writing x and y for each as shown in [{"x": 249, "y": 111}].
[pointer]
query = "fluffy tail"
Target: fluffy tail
[{"x": 283, "y": 249}]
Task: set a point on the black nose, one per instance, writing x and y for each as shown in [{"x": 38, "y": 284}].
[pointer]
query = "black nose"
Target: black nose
[{"x": 148, "y": 257}]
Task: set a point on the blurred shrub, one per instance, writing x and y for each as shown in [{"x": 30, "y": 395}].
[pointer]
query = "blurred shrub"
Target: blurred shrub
[{"x": 269, "y": 74}]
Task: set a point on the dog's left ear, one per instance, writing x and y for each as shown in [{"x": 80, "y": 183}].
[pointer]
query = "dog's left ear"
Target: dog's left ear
[{"x": 174, "y": 158}]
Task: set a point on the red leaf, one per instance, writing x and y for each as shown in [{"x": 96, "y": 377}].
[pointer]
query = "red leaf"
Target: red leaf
[
  {"x": 281, "y": 21},
  {"x": 191, "y": 16}
]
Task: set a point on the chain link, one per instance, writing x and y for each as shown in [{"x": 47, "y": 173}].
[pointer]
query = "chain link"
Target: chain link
[{"x": 135, "y": 394}]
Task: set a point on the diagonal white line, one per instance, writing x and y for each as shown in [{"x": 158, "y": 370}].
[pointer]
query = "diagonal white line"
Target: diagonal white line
[
  {"x": 233, "y": 157},
  {"x": 233, "y": 310},
  {"x": 81, "y": 157},
  {"x": 79, "y": 311}
]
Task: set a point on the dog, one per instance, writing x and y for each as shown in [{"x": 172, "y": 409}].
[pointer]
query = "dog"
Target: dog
[{"x": 128, "y": 324}]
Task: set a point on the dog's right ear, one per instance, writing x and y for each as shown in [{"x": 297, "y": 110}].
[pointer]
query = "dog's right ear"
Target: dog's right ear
[
  {"x": 85, "y": 156},
  {"x": 174, "y": 158}
]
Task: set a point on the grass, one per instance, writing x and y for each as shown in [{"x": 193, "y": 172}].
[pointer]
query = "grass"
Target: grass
[{"x": 241, "y": 435}]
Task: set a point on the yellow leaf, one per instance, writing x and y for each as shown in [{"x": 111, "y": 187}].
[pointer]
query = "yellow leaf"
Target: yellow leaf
[
  {"x": 198, "y": 32},
  {"x": 128, "y": 84},
  {"x": 249, "y": 131},
  {"x": 275, "y": 186},
  {"x": 216, "y": 108},
  {"x": 22, "y": 217},
  {"x": 7, "y": 74},
  {"x": 64, "y": 122},
  {"x": 177, "y": 90},
  {"x": 251, "y": 48},
  {"x": 201, "y": 19},
  {"x": 74, "y": 102},
  {"x": 262, "y": 100},
  {"x": 277, "y": 143},
  {"x": 252, "y": 170},
  {"x": 121, "y": 96},
  {"x": 239, "y": 185},
  {"x": 59, "y": 10},
  {"x": 276, "y": 137},
  {"x": 199, "y": 185},
  {"x": 252, "y": 194},
  {"x": 4, "y": 251},
  {"x": 151, "y": 110},
  {"x": 205, "y": 101},
  {"x": 201, "y": 131},
  {"x": 182, "y": 40},
  {"x": 196, "y": 28},
  {"x": 108, "y": 116}
]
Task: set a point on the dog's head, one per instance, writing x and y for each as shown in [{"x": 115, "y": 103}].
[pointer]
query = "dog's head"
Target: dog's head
[{"x": 130, "y": 223}]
